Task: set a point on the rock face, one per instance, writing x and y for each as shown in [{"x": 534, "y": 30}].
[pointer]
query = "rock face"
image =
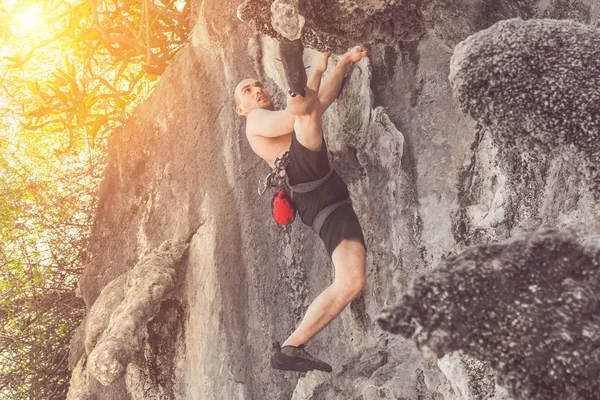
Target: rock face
[
  {"x": 336, "y": 25},
  {"x": 497, "y": 302},
  {"x": 143, "y": 290},
  {"x": 116, "y": 323},
  {"x": 535, "y": 85},
  {"x": 427, "y": 181},
  {"x": 527, "y": 306},
  {"x": 286, "y": 19}
]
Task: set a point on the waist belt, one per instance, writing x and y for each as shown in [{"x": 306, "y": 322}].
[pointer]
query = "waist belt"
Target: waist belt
[{"x": 306, "y": 187}]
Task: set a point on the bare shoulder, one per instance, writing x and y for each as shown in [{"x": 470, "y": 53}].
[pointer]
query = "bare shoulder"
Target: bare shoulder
[{"x": 255, "y": 120}]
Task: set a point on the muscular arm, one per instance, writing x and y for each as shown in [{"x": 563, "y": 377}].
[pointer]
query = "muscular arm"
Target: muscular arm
[
  {"x": 314, "y": 81},
  {"x": 331, "y": 87},
  {"x": 269, "y": 123}
]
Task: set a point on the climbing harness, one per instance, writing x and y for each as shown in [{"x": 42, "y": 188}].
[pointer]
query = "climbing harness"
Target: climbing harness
[
  {"x": 275, "y": 178},
  {"x": 306, "y": 187},
  {"x": 282, "y": 208}
]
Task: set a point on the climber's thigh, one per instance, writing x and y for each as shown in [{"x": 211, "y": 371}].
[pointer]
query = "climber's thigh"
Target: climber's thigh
[
  {"x": 349, "y": 259},
  {"x": 309, "y": 130}
]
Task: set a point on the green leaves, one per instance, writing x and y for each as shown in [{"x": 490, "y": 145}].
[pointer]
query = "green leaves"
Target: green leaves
[
  {"x": 41, "y": 243},
  {"x": 70, "y": 68},
  {"x": 14, "y": 61},
  {"x": 67, "y": 81}
]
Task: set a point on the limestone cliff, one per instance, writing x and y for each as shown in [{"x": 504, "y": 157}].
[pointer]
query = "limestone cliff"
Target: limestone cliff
[{"x": 190, "y": 278}]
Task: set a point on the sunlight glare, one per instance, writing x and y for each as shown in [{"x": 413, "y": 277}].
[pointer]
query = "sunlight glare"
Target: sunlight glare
[
  {"x": 179, "y": 5},
  {"x": 28, "y": 20}
]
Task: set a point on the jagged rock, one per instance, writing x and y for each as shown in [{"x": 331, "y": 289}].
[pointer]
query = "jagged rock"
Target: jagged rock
[
  {"x": 306, "y": 385},
  {"x": 451, "y": 21},
  {"x": 527, "y": 306},
  {"x": 102, "y": 310},
  {"x": 78, "y": 384},
  {"x": 470, "y": 379},
  {"x": 286, "y": 19},
  {"x": 536, "y": 84},
  {"x": 577, "y": 10},
  {"x": 153, "y": 372},
  {"x": 145, "y": 287},
  {"x": 77, "y": 346},
  {"x": 337, "y": 25}
]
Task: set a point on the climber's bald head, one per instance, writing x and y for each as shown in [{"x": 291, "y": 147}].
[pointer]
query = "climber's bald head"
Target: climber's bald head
[
  {"x": 237, "y": 94},
  {"x": 250, "y": 94}
]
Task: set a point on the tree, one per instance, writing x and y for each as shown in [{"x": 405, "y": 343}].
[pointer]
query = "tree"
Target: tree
[{"x": 72, "y": 72}]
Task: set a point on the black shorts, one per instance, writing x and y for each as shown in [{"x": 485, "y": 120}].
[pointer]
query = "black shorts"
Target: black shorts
[{"x": 306, "y": 166}]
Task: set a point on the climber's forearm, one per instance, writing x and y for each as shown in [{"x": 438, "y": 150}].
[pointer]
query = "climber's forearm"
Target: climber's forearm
[
  {"x": 314, "y": 81},
  {"x": 332, "y": 85}
]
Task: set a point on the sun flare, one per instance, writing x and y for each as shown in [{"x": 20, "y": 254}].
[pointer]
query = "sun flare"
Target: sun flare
[{"x": 27, "y": 21}]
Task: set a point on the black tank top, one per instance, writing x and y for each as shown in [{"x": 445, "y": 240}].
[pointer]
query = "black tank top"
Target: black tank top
[{"x": 306, "y": 165}]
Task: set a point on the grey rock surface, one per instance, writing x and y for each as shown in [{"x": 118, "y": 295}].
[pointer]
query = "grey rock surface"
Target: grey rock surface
[
  {"x": 452, "y": 21},
  {"x": 336, "y": 25},
  {"x": 286, "y": 19},
  {"x": 141, "y": 294},
  {"x": 470, "y": 378},
  {"x": 78, "y": 384},
  {"x": 535, "y": 84},
  {"x": 427, "y": 182},
  {"x": 527, "y": 306},
  {"x": 99, "y": 314}
]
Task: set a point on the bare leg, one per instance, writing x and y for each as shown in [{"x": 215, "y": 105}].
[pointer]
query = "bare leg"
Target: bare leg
[
  {"x": 308, "y": 125},
  {"x": 349, "y": 264},
  {"x": 349, "y": 256}
]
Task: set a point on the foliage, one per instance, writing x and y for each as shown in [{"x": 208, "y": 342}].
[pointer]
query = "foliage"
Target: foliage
[{"x": 71, "y": 71}]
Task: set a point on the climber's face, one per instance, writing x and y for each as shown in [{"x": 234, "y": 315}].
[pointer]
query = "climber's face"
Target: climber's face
[{"x": 250, "y": 94}]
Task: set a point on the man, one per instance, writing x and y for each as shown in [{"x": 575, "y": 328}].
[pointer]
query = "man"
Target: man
[{"x": 298, "y": 130}]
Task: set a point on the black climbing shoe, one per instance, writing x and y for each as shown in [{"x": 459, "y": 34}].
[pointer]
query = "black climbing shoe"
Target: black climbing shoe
[
  {"x": 291, "y": 358},
  {"x": 291, "y": 52}
]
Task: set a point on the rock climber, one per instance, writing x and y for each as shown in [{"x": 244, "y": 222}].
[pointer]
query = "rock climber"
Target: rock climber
[{"x": 321, "y": 197}]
